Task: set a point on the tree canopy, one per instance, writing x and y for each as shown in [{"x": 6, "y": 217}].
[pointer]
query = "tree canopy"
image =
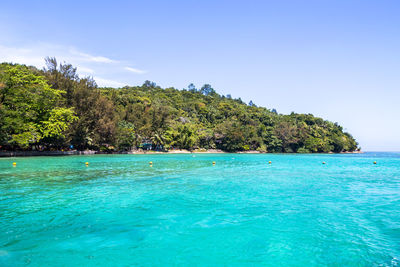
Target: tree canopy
[{"x": 54, "y": 108}]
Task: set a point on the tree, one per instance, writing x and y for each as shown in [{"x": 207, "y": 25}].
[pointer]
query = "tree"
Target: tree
[
  {"x": 29, "y": 107},
  {"x": 126, "y": 135},
  {"x": 149, "y": 84},
  {"x": 182, "y": 136},
  {"x": 207, "y": 90},
  {"x": 62, "y": 77},
  {"x": 192, "y": 88},
  {"x": 59, "y": 121},
  {"x": 96, "y": 125}
]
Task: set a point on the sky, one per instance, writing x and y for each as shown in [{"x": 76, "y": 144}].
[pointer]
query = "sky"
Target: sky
[{"x": 339, "y": 60}]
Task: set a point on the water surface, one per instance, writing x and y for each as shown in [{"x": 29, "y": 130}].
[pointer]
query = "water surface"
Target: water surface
[{"x": 183, "y": 211}]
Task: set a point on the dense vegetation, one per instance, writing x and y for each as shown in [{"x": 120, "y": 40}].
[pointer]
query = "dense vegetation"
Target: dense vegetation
[{"x": 55, "y": 109}]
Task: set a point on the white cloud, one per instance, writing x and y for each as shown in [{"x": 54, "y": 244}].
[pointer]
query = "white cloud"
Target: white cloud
[
  {"x": 21, "y": 55},
  {"x": 137, "y": 71},
  {"x": 35, "y": 54},
  {"x": 85, "y": 70},
  {"x": 87, "y": 64},
  {"x": 107, "y": 83},
  {"x": 91, "y": 58}
]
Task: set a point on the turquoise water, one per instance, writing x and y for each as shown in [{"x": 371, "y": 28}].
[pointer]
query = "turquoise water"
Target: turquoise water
[{"x": 183, "y": 211}]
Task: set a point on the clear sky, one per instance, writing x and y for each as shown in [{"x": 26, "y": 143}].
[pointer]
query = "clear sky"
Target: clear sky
[{"x": 339, "y": 60}]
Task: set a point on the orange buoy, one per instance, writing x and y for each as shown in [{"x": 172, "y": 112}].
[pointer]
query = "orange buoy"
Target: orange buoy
[{"x": 269, "y": 162}]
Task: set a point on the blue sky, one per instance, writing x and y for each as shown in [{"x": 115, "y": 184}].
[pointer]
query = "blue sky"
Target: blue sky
[{"x": 339, "y": 60}]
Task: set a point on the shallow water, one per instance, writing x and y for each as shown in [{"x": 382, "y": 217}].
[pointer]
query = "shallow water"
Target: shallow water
[{"x": 183, "y": 211}]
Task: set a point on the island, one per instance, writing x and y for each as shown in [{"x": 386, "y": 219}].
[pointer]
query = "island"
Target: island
[{"x": 54, "y": 109}]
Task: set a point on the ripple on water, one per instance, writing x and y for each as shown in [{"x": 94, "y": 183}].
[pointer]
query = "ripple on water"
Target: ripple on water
[{"x": 185, "y": 211}]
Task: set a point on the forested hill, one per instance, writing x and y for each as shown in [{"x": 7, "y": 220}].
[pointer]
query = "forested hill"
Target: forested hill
[{"x": 55, "y": 109}]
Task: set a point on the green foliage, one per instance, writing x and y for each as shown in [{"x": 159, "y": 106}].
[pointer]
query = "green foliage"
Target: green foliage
[
  {"x": 27, "y": 107},
  {"x": 27, "y": 137},
  {"x": 59, "y": 121},
  {"x": 182, "y": 136},
  {"x": 126, "y": 135},
  {"x": 303, "y": 150},
  {"x": 55, "y": 107}
]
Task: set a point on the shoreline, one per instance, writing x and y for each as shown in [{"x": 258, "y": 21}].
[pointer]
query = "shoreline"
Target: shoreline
[{"x": 142, "y": 152}]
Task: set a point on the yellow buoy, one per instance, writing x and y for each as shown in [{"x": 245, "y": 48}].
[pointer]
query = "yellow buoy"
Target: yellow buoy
[
  {"x": 269, "y": 162},
  {"x": 150, "y": 163},
  {"x": 213, "y": 162},
  {"x": 374, "y": 162},
  {"x": 87, "y": 163},
  {"x": 14, "y": 164}
]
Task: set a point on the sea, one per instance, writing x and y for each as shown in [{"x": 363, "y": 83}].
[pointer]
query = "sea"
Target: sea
[{"x": 183, "y": 210}]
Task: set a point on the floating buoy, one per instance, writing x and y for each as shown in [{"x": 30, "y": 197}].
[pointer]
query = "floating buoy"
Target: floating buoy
[
  {"x": 269, "y": 162},
  {"x": 14, "y": 164},
  {"x": 213, "y": 162},
  {"x": 87, "y": 163},
  {"x": 374, "y": 162},
  {"x": 151, "y": 163},
  {"x": 323, "y": 162}
]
